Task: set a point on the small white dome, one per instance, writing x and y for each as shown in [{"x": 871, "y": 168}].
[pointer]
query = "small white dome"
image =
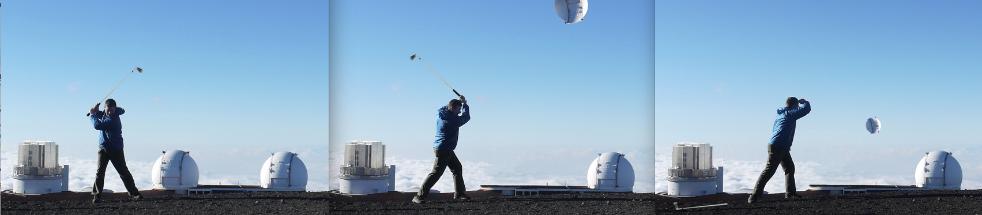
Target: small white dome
[
  {"x": 284, "y": 171},
  {"x": 611, "y": 172},
  {"x": 174, "y": 170},
  {"x": 938, "y": 170}
]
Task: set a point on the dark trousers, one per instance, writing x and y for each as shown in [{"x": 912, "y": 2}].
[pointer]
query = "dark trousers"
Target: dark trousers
[
  {"x": 444, "y": 159},
  {"x": 777, "y": 157},
  {"x": 119, "y": 161}
]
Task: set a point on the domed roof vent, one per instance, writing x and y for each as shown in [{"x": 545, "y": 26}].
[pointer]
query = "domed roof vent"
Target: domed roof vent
[
  {"x": 283, "y": 171},
  {"x": 174, "y": 170},
  {"x": 611, "y": 172},
  {"x": 938, "y": 170}
]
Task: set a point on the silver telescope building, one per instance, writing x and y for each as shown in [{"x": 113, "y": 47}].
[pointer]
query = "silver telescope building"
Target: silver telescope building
[
  {"x": 38, "y": 171},
  {"x": 364, "y": 170},
  {"x": 692, "y": 172}
]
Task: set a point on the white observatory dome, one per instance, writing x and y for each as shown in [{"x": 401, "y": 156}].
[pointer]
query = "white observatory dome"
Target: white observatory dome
[
  {"x": 610, "y": 172},
  {"x": 938, "y": 170},
  {"x": 283, "y": 171},
  {"x": 174, "y": 170}
]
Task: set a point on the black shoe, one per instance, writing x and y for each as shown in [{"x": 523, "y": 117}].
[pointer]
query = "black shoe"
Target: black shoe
[
  {"x": 752, "y": 199},
  {"x": 792, "y": 196},
  {"x": 96, "y": 200},
  {"x": 137, "y": 197},
  {"x": 462, "y": 197},
  {"x": 418, "y": 200}
]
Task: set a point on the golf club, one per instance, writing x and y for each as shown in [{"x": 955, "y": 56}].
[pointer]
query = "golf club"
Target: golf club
[
  {"x": 120, "y": 83},
  {"x": 429, "y": 67}
]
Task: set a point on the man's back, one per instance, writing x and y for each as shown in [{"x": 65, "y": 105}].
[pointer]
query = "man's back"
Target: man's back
[
  {"x": 448, "y": 127},
  {"x": 782, "y": 134}
]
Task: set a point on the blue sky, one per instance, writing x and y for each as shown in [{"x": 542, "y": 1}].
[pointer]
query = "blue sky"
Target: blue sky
[
  {"x": 723, "y": 67},
  {"x": 231, "y": 82},
  {"x": 234, "y": 82},
  {"x": 546, "y": 96}
]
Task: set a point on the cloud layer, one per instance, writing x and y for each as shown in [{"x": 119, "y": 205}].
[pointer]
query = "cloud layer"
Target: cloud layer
[
  {"x": 412, "y": 172},
  {"x": 82, "y": 175},
  {"x": 741, "y": 175},
  {"x": 409, "y": 175}
]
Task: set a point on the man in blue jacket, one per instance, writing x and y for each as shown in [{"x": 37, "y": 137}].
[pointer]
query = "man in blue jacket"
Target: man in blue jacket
[
  {"x": 447, "y": 127},
  {"x": 779, "y": 151},
  {"x": 111, "y": 148}
]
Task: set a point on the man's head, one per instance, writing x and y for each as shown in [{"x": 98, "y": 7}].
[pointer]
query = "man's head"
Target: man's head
[
  {"x": 792, "y": 102},
  {"x": 110, "y": 106},
  {"x": 454, "y": 105}
]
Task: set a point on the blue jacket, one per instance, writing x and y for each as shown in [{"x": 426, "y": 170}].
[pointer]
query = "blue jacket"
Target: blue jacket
[
  {"x": 447, "y": 127},
  {"x": 784, "y": 125},
  {"x": 110, "y": 129}
]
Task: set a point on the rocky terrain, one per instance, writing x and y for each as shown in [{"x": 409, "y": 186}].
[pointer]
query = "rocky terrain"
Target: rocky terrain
[
  {"x": 491, "y": 203},
  {"x": 908, "y": 202},
  {"x": 158, "y": 202},
  {"x": 162, "y": 202}
]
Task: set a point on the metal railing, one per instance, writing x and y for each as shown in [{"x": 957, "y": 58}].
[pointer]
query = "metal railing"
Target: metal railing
[
  {"x": 357, "y": 170},
  {"x": 37, "y": 171},
  {"x": 691, "y": 173}
]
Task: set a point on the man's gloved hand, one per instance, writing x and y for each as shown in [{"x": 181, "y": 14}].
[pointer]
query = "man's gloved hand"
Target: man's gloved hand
[{"x": 94, "y": 109}]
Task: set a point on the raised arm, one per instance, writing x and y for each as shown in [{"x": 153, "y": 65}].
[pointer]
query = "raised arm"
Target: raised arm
[
  {"x": 466, "y": 116},
  {"x": 99, "y": 122},
  {"x": 451, "y": 119},
  {"x": 799, "y": 112}
]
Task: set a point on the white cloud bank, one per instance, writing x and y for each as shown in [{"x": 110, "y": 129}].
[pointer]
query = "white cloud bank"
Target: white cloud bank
[
  {"x": 741, "y": 175},
  {"x": 409, "y": 175},
  {"x": 82, "y": 175}
]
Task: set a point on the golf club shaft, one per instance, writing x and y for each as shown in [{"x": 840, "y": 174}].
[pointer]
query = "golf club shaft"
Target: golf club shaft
[
  {"x": 120, "y": 83},
  {"x": 433, "y": 71},
  {"x": 430, "y": 68}
]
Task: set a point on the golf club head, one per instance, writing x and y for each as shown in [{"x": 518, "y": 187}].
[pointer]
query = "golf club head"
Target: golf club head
[
  {"x": 412, "y": 57},
  {"x": 137, "y": 69}
]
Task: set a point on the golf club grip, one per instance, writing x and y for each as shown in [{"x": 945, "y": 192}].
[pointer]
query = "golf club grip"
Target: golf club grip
[
  {"x": 455, "y": 92},
  {"x": 90, "y": 113}
]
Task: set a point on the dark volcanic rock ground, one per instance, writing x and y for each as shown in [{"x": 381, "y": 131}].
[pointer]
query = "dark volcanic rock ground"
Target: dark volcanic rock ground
[
  {"x": 909, "y": 202},
  {"x": 158, "y": 202},
  {"x": 491, "y": 203}
]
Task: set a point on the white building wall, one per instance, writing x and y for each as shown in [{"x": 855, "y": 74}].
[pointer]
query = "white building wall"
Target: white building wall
[
  {"x": 38, "y": 186},
  {"x": 357, "y": 155},
  {"x": 369, "y": 154},
  {"x": 50, "y": 156},
  {"x": 705, "y": 156},
  {"x": 364, "y": 186},
  {"x": 38, "y": 158},
  {"x": 692, "y": 188},
  {"x": 22, "y": 154},
  {"x": 29, "y": 155},
  {"x": 680, "y": 156},
  {"x": 378, "y": 154},
  {"x": 692, "y": 156}
]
